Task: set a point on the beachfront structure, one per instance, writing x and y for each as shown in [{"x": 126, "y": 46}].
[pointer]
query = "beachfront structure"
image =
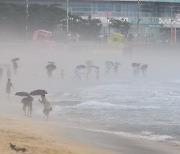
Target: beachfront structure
[{"x": 159, "y": 19}]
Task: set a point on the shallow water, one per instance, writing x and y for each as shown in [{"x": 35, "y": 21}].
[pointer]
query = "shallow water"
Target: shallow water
[
  {"x": 116, "y": 104},
  {"x": 148, "y": 110}
]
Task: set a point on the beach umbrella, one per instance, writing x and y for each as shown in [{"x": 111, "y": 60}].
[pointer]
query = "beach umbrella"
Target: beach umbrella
[
  {"x": 51, "y": 62},
  {"x": 40, "y": 35},
  {"x": 144, "y": 67},
  {"x": 22, "y": 94},
  {"x": 96, "y": 67},
  {"x": 38, "y": 92},
  {"x": 80, "y": 70},
  {"x": 81, "y": 67},
  {"x": 136, "y": 64},
  {"x": 109, "y": 64},
  {"x": 51, "y": 67},
  {"x": 15, "y": 59}
]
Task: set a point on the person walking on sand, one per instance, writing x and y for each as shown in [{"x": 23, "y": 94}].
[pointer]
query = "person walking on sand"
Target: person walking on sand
[
  {"x": 27, "y": 103},
  {"x": 9, "y": 86},
  {"x": 47, "y": 107}
]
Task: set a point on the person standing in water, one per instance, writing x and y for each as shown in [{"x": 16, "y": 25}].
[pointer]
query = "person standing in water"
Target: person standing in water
[
  {"x": 1, "y": 72},
  {"x": 62, "y": 74},
  {"x": 116, "y": 67},
  {"x": 136, "y": 68},
  {"x": 9, "y": 86},
  {"x": 144, "y": 69},
  {"x": 97, "y": 74},
  {"x": 47, "y": 107},
  {"x": 15, "y": 67}
]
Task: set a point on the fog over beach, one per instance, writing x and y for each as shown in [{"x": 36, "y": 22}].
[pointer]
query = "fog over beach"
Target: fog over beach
[
  {"x": 89, "y": 77},
  {"x": 118, "y": 112}
]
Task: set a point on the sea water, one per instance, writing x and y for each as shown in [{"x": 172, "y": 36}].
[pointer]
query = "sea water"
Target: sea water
[{"x": 148, "y": 110}]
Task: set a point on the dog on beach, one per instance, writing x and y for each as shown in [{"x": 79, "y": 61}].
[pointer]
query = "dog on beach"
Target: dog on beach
[{"x": 17, "y": 149}]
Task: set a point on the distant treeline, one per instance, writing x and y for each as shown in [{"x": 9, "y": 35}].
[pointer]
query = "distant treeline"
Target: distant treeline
[{"x": 13, "y": 21}]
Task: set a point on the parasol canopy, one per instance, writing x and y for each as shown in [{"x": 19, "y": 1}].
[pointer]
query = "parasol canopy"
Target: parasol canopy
[
  {"x": 144, "y": 67},
  {"x": 96, "y": 67},
  {"x": 15, "y": 59},
  {"x": 81, "y": 67},
  {"x": 51, "y": 67},
  {"x": 23, "y": 94},
  {"x": 51, "y": 62},
  {"x": 38, "y": 92}
]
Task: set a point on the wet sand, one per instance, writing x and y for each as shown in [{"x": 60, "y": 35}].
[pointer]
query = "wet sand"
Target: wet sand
[
  {"x": 40, "y": 138},
  {"x": 125, "y": 145}
]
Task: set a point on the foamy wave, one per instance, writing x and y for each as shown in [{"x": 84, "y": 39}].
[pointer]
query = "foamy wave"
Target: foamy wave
[
  {"x": 148, "y": 136},
  {"x": 57, "y": 108},
  {"x": 94, "y": 104},
  {"x": 99, "y": 105},
  {"x": 146, "y": 133},
  {"x": 67, "y": 94},
  {"x": 136, "y": 107},
  {"x": 61, "y": 95}
]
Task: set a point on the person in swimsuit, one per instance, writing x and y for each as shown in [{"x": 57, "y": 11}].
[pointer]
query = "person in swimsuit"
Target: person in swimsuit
[{"x": 47, "y": 107}]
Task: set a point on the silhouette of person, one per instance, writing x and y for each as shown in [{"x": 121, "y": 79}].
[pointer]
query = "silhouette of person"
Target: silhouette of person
[
  {"x": 47, "y": 107},
  {"x": 116, "y": 67},
  {"x": 136, "y": 68},
  {"x": 144, "y": 69},
  {"x": 9, "y": 86},
  {"x": 1, "y": 73},
  {"x": 27, "y": 103},
  {"x": 15, "y": 67},
  {"x": 62, "y": 74}
]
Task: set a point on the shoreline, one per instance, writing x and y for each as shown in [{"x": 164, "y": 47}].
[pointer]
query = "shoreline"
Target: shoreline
[
  {"x": 41, "y": 138},
  {"x": 79, "y": 139},
  {"x": 126, "y": 145},
  {"x": 70, "y": 139}
]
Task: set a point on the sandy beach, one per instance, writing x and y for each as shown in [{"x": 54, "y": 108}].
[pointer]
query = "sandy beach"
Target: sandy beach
[{"x": 41, "y": 137}]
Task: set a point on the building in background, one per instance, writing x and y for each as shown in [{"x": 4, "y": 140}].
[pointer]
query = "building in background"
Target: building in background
[{"x": 158, "y": 19}]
